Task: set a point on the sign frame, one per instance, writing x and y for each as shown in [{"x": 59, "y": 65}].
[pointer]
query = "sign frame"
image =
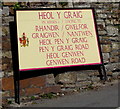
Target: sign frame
[{"x": 19, "y": 75}]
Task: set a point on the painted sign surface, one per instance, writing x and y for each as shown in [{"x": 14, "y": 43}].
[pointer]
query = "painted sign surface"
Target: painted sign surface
[{"x": 56, "y": 38}]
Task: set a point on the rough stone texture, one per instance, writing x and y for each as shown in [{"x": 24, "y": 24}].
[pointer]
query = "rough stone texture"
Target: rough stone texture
[
  {"x": 115, "y": 46},
  {"x": 36, "y": 81},
  {"x": 111, "y": 30},
  {"x": 115, "y": 59},
  {"x": 5, "y": 11},
  {"x": 81, "y": 77},
  {"x": 106, "y": 57},
  {"x": 9, "y": 3},
  {"x": 54, "y": 89},
  {"x": 82, "y": 84},
  {"x": 7, "y": 83},
  {"x": 50, "y": 80},
  {"x": 68, "y": 77},
  {"x": 106, "y": 48},
  {"x": 32, "y": 91},
  {"x": 112, "y": 67}
]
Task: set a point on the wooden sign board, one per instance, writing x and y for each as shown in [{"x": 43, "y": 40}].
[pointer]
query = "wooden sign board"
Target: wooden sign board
[
  {"x": 55, "y": 38},
  {"x": 47, "y": 39}
]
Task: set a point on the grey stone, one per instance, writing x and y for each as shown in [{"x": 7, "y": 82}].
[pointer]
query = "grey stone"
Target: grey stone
[
  {"x": 102, "y": 32},
  {"x": 110, "y": 17},
  {"x": 81, "y": 77},
  {"x": 82, "y": 6},
  {"x": 115, "y": 46},
  {"x": 69, "y": 86},
  {"x": 114, "y": 59},
  {"x": 1, "y": 74},
  {"x": 106, "y": 48},
  {"x": 5, "y": 11},
  {"x": 6, "y": 20},
  {"x": 50, "y": 79},
  {"x": 102, "y": 16},
  {"x": 0, "y": 12},
  {"x": 83, "y": 83},
  {"x": 108, "y": 21},
  {"x": 115, "y": 38},
  {"x": 115, "y": 75},
  {"x": 9, "y": 74},
  {"x": 99, "y": 10},
  {"x": 111, "y": 30},
  {"x": 68, "y": 77},
  {"x": 106, "y": 57},
  {"x": 112, "y": 67},
  {"x": 7, "y": 54},
  {"x": 100, "y": 20},
  {"x": 6, "y": 94},
  {"x": 5, "y": 31},
  {"x": 70, "y": 3},
  {"x": 115, "y": 53},
  {"x": 115, "y": 5},
  {"x": 95, "y": 79}
]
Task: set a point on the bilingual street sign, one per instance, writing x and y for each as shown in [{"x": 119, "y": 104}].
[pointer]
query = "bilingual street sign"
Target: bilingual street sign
[
  {"x": 56, "y": 38},
  {"x": 53, "y": 38}
]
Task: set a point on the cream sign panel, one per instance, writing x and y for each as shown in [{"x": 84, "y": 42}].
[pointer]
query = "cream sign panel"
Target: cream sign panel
[{"x": 56, "y": 38}]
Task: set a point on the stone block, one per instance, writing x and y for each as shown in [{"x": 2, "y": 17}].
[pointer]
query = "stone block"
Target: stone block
[
  {"x": 9, "y": 3},
  {"x": 105, "y": 41},
  {"x": 83, "y": 83},
  {"x": 115, "y": 75},
  {"x": 32, "y": 91},
  {"x": 106, "y": 48},
  {"x": 11, "y": 11},
  {"x": 115, "y": 38},
  {"x": 99, "y": 11},
  {"x": 116, "y": 22},
  {"x": 96, "y": 73},
  {"x": 7, "y": 54},
  {"x": 112, "y": 67},
  {"x": 116, "y": 5},
  {"x": 111, "y": 30},
  {"x": 106, "y": 57},
  {"x": 50, "y": 80},
  {"x": 115, "y": 53},
  {"x": 39, "y": 81},
  {"x": 6, "y": 45},
  {"x": 69, "y": 85},
  {"x": 6, "y": 20},
  {"x": 68, "y": 77},
  {"x": 108, "y": 21},
  {"x": 81, "y": 77},
  {"x": 95, "y": 79},
  {"x": 53, "y": 89},
  {"x": 115, "y": 59},
  {"x": 4, "y": 67},
  {"x": 5, "y": 94},
  {"x": 22, "y": 93},
  {"x": 1, "y": 75},
  {"x": 7, "y": 83},
  {"x": 109, "y": 73},
  {"x": 0, "y": 13},
  {"x": 5, "y": 60},
  {"x": 5, "y": 11},
  {"x": 102, "y": 32},
  {"x": 115, "y": 46},
  {"x": 102, "y": 16},
  {"x": 100, "y": 27},
  {"x": 5, "y": 31}
]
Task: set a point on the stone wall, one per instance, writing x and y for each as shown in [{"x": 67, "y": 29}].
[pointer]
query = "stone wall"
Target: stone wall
[{"x": 108, "y": 24}]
